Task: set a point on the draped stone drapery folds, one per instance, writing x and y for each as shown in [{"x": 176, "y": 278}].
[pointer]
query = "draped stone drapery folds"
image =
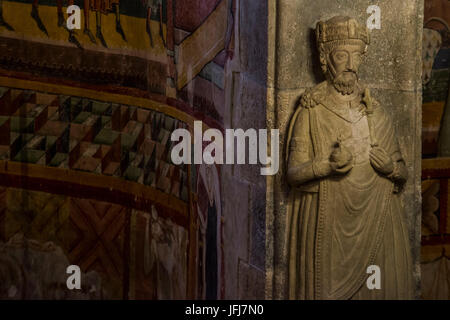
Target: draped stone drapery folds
[{"x": 341, "y": 225}]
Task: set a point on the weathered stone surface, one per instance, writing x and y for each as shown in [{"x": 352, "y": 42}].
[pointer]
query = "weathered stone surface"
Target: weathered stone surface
[
  {"x": 393, "y": 49},
  {"x": 251, "y": 282},
  {"x": 235, "y": 228},
  {"x": 405, "y": 108},
  {"x": 250, "y": 113},
  {"x": 258, "y": 226},
  {"x": 253, "y": 39},
  {"x": 244, "y": 189},
  {"x": 392, "y": 72}
]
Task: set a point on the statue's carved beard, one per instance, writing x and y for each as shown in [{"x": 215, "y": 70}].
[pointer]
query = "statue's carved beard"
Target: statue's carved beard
[{"x": 345, "y": 82}]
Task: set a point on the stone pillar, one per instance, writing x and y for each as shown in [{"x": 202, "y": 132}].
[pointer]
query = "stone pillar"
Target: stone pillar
[
  {"x": 392, "y": 71},
  {"x": 244, "y": 188}
]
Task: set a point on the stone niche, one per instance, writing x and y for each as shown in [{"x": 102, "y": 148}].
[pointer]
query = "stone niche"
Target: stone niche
[{"x": 391, "y": 70}]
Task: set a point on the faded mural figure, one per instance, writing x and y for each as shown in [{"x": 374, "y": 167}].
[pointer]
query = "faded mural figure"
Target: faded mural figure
[
  {"x": 59, "y": 6},
  {"x": 435, "y": 284},
  {"x": 346, "y": 172},
  {"x": 154, "y": 6},
  {"x": 98, "y": 6},
  {"x": 61, "y": 20},
  {"x": 209, "y": 214},
  {"x": 104, "y": 7},
  {"x": 34, "y": 270},
  {"x": 35, "y": 15},
  {"x": 86, "y": 30},
  {"x": 167, "y": 248},
  {"x": 165, "y": 255},
  {"x": 3, "y": 23}
]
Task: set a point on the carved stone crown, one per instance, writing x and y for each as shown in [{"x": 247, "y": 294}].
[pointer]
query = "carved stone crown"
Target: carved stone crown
[{"x": 341, "y": 28}]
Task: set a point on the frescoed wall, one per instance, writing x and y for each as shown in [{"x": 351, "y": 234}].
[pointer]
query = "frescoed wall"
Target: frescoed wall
[
  {"x": 435, "y": 228},
  {"x": 78, "y": 172},
  {"x": 209, "y": 213},
  {"x": 86, "y": 117},
  {"x": 435, "y": 151}
]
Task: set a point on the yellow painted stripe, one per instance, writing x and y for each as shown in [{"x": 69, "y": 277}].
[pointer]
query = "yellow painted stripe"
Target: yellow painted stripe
[
  {"x": 438, "y": 163},
  {"x": 137, "y": 40},
  {"x": 430, "y": 253},
  {"x": 94, "y": 180},
  {"x": 448, "y": 207}
]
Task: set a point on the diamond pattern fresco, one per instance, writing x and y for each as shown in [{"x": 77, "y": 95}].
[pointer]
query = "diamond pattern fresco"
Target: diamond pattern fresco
[{"x": 123, "y": 141}]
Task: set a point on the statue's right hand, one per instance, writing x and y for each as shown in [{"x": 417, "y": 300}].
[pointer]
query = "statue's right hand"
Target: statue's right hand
[
  {"x": 324, "y": 168},
  {"x": 341, "y": 159},
  {"x": 336, "y": 169},
  {"x": 321, "y": 168}
]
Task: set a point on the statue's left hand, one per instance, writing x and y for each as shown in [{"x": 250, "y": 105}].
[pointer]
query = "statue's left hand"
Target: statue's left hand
[{"x": 381, "y": 161}]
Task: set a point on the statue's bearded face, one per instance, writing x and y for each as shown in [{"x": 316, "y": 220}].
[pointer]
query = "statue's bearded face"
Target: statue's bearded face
[{"x": 343, "y": 65}]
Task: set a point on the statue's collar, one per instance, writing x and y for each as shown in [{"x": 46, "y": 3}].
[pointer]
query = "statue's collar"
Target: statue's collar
[{"x": 342, "y": 108}]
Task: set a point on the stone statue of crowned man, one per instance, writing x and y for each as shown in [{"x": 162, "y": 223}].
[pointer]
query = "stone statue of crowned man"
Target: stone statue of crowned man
[{"x": 346, "y": 173}]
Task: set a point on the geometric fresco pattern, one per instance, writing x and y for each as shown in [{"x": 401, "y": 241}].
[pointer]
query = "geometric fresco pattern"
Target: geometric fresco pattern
[
  {"x": 92, "y": 234},
  {"x": 135, "y": 253},
  {"x": 100, "y": 243},
  {"x": 100, "y": 226},
  {"x": 105, "y": 138}
]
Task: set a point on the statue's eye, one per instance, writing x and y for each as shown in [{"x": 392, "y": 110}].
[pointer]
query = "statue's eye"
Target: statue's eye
[{"x": 339, "y": 56}]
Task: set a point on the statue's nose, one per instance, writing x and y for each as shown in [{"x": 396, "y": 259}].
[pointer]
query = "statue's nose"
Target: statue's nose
[{"x": 350, "y": 63}]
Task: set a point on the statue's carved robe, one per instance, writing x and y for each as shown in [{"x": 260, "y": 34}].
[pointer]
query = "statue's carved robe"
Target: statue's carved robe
[{"x": 340, "y": 225}]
